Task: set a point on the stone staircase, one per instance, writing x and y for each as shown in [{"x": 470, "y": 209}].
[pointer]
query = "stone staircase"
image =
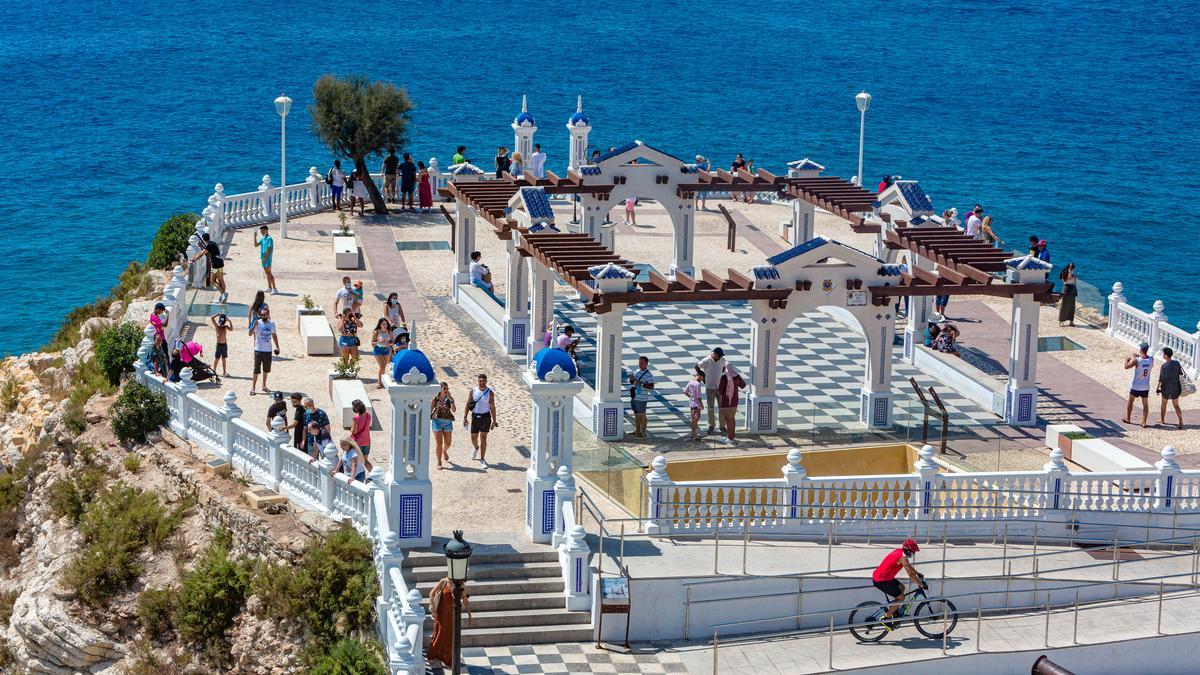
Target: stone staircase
[{"x": 516, "y": 597}]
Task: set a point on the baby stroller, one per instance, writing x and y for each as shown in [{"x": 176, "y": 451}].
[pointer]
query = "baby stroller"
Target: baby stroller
[{"x": 186, "y": 355}]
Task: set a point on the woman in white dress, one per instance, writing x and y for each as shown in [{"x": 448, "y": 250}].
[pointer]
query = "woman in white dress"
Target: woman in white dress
[{"x": 359, "y": 194}]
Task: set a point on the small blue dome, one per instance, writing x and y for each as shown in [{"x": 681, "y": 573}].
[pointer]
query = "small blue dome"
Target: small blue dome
[
  {"x": 579, "y": 119},
  {"x": 407, "y": 359},
  {"x": 525, "y": 120},
  {"x": 545, "y": 360}
]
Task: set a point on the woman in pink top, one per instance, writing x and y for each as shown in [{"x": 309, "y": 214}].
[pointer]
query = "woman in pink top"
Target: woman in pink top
[
  {"x": 360, "y": 431},
  {"x": 694, "y": 390},
  {"x": 630, "y": 215},
  {"x": 728, "y": 397}
]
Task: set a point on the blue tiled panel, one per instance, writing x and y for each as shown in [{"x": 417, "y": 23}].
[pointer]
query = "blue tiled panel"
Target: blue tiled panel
[
  {"x": 537, "y": 203},
  {"x": 410, "y": 516},
  {"x": 589, "y": 170},
  {"x": 547, "y": 511},
  {"x": 914, "y": 195},
  {"x": 765, "y": 272}
]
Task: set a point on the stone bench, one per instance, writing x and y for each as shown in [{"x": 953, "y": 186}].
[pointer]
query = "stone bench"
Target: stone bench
[
  {"x": 343, "y": 393},
  {"x": 1100, "y": 456},
  {"x": 316, "y": 335},
  {"x": 972, "y": 383},
  {"x": 345, "y": 253}
]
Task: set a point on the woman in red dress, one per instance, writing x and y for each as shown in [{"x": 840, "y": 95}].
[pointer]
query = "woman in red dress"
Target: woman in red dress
[{"x": 424, "y": 187}]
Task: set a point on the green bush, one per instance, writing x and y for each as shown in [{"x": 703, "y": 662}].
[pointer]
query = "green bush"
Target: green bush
[
  {"x": 347, "y": 657},
  {"x": 116, "y": 350},
  {"x": 137, "y": 412},
  {"x": 132, "y": 462},
  {"x": 331, "y": 591},
  {"x": 7, "y": 600},
  {"x": 154, "y": 612},
  {"x": 117, "y": 526},
  {"x": 14, "y": 495},
  {"x": 171, "y": 240},
  {"x": 210, "y": 597},
  {"x": 133, "y": 282},
  {"x": 71, "y": 496},
  {"x": 10, "y": 394}
]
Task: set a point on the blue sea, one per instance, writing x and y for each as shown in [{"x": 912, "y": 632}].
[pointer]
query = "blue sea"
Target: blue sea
[{"x": 1074, "y": 121}]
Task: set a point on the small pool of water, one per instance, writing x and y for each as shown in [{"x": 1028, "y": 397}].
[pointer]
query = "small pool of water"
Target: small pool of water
[
  {"x": 423, "y": 245},
  {"x": 1058, "y": 343}
]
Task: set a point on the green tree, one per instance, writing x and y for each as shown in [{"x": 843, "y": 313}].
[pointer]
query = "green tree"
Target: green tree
[
  {"x": 171, "y": 240},
  {"x": 358, "y": 118}
]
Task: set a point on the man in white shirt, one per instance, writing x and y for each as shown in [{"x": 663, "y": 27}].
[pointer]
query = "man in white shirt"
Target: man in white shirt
[
  {"x": 538, "y": 161},
  {"x": 1142, "y": 364},
  {"x": 345, "y": 297},
  {"x": 975, "y": 223},
  {"x": 712, "y": 366},
  {"x": 337, "y": 181},
  {"x": 481, "y": 275}
]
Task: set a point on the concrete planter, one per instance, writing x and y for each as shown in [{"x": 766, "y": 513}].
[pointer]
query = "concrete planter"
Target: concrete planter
[
  {"x": 1057, "y": 437},
  {"x": 345, "y": 251},
  {"x": 343, "y": 392}
]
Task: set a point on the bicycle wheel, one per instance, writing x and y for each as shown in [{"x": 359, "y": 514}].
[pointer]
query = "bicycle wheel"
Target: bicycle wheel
[
  {"x": 928, "y": 617},
  {"x": 865, "y": 625}
]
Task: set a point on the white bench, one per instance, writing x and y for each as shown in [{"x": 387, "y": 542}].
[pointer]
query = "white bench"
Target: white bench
[
  {"x": 1100, "y": 456},
  {"x": 343, "y": 393},
  {"x": 345, "y": 253},
  {"x": 317, "y": 335}
]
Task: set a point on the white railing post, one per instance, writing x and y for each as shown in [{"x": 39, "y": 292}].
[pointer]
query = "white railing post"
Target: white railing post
[
  {"x": 413, "y": 616},
  {"x": 797, "y": 480},
  {"x": 216, "y": 201},
  {"x": 229, "y": 412},
  {"x": 186, "y": 386},
  {"x": 1157, "y": 319},
  {"x": 195, "y": 270},
  {"x": 1167, "y": 484},
  {"x": 1114, "y": 306},
  {"x": 657, "y": 485},
  {"x": 315, "y": 181},
  {"x": 564, "y": 493},
  {"x": 266, "y": 197},
  {"x": 328, "y": 481},
  {"x": 572, "y": 555},
  {"x": 401, "y": 661},
  {"x": 279, "y": 441},
  {"x": 1194, "y": 371},
  {"x": 928, "y": 485},
  {"x": 1056, "y": 479}
]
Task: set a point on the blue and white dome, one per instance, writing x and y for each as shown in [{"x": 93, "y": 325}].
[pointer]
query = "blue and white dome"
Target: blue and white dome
[
  {"x": 553, "y": 365},
  {"x": 411, "y": 366},
  {"x": 579, "y": 119},
  {"x": 525, "y": 119}
]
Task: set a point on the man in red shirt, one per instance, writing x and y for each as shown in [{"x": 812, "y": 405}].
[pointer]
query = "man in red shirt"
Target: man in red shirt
[{"x": 884, "y": 576}]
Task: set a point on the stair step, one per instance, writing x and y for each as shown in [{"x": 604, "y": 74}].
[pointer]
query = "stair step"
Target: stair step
[
  {"x": 523, "y": 618},
  {"x": 417, "y": 559},
  {"x": 490, "y": 570},
  {"x": 499, "y": 586},
  {"x": 513, "y": 602},
  {"x": 493, "y": 637}
]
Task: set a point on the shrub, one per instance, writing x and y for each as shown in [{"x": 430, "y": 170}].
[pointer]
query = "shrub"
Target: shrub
[
  {"x": 154, "y": 612},
  {"x": 116, "y": 350},
  {"x": 71, "y": 496},
  {"x": 7, "y": 600},
  {"x": 347, "y": 657},
  {"x": 132, "y": 463},
  {"x": 137, "y": 412},
  {"x": 171, "y": 240},
  {"x": 88, "y": 381},
  {"x": 133, "y": 282},
  {"x": 116, "y": 526},
  {"x": 332, "y": 590},
  {"x": 10, "y": 394},
  {"x": 211, "y": 596},
  {"x": 14, "y": 495}
]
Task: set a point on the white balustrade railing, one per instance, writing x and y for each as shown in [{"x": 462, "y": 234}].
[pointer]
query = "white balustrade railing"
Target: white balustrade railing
[
  {"x": 796, "y": 503},
  {"x": 570, "y": 539},
  {"x": 269, "y": 458},
  {"x": 1133, "y": 326}
]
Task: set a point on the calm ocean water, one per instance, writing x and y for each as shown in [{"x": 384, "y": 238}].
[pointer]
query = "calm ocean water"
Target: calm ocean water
[{"x": 1070, "y": 120}]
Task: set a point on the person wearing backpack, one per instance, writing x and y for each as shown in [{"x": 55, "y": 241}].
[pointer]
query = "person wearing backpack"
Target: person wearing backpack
[
  {"x": 336, "y": 180},
  {"x": 479, "y": 416}
]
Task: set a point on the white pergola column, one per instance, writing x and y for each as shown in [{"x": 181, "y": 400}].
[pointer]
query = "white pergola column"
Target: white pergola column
[
  {"x": 608, "y": 405},
  {"x": 593, "y": 216},
  {"x": 516, "y": 305},
  {"x": 875, "y": 408},
  {"x": 919, "y": 310},
  {"x": 551, "y": 446},
  {"x": 804, "y": 217},
  {"x": 464, "y": 243},
  {"x": 762, "y": 404},
  {"x": 1020, "y": 396},
  {"x": 410, "y": 493},
  {"x": 683, "y": 238},
  {"x": 541, "y": 304}
]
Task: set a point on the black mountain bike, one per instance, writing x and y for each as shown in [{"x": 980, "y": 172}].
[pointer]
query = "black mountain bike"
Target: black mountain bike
[{"x": 868, "y": 625}]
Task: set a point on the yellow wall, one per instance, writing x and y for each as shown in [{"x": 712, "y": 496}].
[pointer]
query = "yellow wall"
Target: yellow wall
[{"x": 858, "y": 461}]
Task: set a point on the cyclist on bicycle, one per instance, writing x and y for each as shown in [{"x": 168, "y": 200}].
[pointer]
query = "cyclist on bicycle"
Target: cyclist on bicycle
[{"x": 884, "y": 576}]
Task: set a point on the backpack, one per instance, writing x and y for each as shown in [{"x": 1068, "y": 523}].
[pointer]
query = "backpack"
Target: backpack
[
  {"x": 1186, "y": 386},
  {"x": 329, "y": 177}
]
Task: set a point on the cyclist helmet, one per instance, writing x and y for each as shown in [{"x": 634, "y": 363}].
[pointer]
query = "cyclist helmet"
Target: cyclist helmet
[{"x": 909, "y": 546}]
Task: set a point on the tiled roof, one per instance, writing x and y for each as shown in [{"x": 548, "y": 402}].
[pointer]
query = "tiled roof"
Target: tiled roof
[
  {"x": 589, "y": 170},
  {"x": 610, "y": 271},
  {"x": 915, "y": 197},
  {"x": 1027, "y": 263},
  {"x": 800, "y": 249},
  {"x": 689, "y": 168},
  {"x": 891, "y": 270},
  {"x": 466, "y": 168},
  {"x": 805, "y": 164},
  {"x": 579, "y": 119},
  {"x": 765, "y": 272},
  {"x": 918, "y": 220},
  {"x": 537, "y": 203},
  {"x": 616, "y": 151},
  {"x": 525, "y": 120}
]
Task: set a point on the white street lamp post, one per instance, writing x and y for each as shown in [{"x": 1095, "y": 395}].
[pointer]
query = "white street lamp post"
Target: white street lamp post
[
  {"x": 283, "y": 105},
  {"x": 863, "y": 100}
]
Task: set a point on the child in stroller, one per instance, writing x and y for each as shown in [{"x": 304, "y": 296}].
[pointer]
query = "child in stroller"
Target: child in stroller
[{"x": 187, "y": 355}]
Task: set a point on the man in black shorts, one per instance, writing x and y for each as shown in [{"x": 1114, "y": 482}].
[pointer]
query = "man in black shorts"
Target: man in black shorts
[
  {"x": 216, "y": 264},
  {"x": 408, "y": 182},
  {"x": 480, "y": 416},
  {"x": 389, "y": 175},
  {"x": 884, "y": 576}
]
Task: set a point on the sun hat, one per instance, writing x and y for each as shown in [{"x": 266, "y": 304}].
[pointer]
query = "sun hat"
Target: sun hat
[{"x": 1041, "y": 242}]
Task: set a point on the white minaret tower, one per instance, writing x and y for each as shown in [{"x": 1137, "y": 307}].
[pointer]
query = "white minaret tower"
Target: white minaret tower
[
  {"x": 524, "y": 127},
  {"x": 579, "y": 127}
]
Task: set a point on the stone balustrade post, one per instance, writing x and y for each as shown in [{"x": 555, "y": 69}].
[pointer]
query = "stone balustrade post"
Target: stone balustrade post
[
  {"x": 280, "y": 440},
  {"x": 564, "y": 493},
  {"x": 1057, "y": 475},
  {"x": 229, "y": 412},
  {"x": 328, "y": 482},
  {"x": 143, "y": 352},
  {"x": 216, "y": 201},
  {"x": 1114, "y": 300},
  {"x": 1167, "y": 484},
  {"x": 797, "y": 480},
  {"x": 658, "y": 484},
  {"x": 314, "y": 181},
  {"x": 195, "y": 269},
  {"x": 401, "y": 661},
  {"x": 186, "y": 386},
  {"x": 928, "y": 484},
  {"x": 1157, "y": 318},
  {"x": 573, "y": 554},
  {"x": 1194, "y": 370},
  {"x": 266, "y": 198},
  {"x": 413, "y": 614}
]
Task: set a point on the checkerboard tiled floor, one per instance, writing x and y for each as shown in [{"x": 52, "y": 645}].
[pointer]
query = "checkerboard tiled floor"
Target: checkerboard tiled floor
[
  {"x": 566, "y": 658},
  {"x": 819, "y": 364}
]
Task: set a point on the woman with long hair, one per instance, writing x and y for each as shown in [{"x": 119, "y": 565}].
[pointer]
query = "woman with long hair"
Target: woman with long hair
[
  {"x": 381, "y": 346},
  {"x": 989, "y": 235},
  {"x": 424, "y": 188},
  {"x": 348, "y": 326},
  {"x": 260, "y": 299},
  {"x": 394, "y": 312},
  {"x": 1066, "y": 305},
  {"x": 441, "y": 413}
]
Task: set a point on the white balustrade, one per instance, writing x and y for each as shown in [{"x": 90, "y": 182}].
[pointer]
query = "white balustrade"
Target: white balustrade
[
  {"x": 351, "y": 499},
  {"x": 1133, "y": 326},
  {"x": 204, "y": 425},
  {"x": 300, "y": 480},
  {"x": 251, "y": 452}
]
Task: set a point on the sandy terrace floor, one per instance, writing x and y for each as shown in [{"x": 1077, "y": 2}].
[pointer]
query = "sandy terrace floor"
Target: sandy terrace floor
[{"x": 419, "y": 268}]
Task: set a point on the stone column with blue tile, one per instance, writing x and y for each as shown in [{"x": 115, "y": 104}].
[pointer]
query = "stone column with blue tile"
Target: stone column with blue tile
[
  {"x": 516, "y": 303},
  {"x": 608, "y": 403},
  {"x": 524, "y": 126},
  {"x": 541, "y": 304},
  {"x": 553, "y": 383},
  {"x": 410, "y": 385},
  {"x": 875, "y": 398},
  {"x": 920, "y": 311},
  {"x": 683, "y": 237},
  {"x": 766, "y": 329},
  {"x": 1020, "y": 396},
  {"x": 464, "y": 243}
]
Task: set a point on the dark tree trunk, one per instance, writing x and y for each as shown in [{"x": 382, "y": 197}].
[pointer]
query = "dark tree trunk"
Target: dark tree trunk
[{"x": 360, "y": 164}]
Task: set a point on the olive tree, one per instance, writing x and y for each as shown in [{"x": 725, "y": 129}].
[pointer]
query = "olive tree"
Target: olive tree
[{"x": 356, "y": 118}]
